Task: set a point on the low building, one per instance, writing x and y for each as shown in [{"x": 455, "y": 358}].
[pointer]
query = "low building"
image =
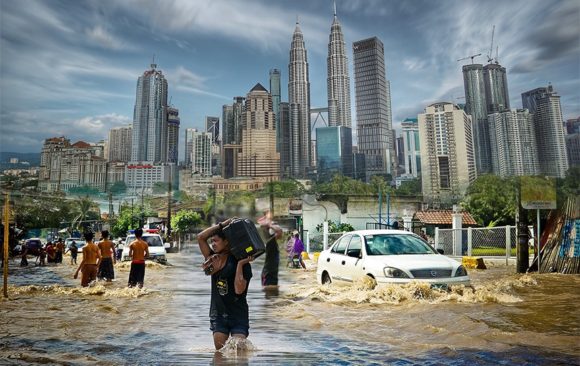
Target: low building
[
  {"x": 222, "y": 185},
  {"x": 442, "y": 219}
]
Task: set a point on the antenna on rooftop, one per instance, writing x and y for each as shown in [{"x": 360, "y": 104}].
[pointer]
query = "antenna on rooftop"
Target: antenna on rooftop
[
  {"x": 335, "y": 8},
  {"x": 153, "y": 64}
]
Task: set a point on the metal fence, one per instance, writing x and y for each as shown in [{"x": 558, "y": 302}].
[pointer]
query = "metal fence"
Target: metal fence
[
  {"x": 497, "y": 241},
  {"x": 316, "y": 241}
]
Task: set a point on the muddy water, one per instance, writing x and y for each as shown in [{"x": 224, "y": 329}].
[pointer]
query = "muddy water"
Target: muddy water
[{"x": 508, "y": 319}]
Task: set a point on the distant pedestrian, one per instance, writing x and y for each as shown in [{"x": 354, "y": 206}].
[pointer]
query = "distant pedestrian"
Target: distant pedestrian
[
  {"x": 271, "y": 233},
  {"x": 24, "y": 254},
  {"x": 298, "y": 249},
  {"x": 138, "y": 251},
  {"x": 59, "y": 250},
  {"x": 90, "y": 262},
  {"x": 74, "y": 251},
  {"x": 107, "y": 248},
  {"x": 42, "y": 257},
  {"x": 50, "y": 253}
]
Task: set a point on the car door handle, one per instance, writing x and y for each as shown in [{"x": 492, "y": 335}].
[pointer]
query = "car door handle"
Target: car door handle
[
  {"x": 343, "y": 263},
  {"x": 328, "y": 259}
]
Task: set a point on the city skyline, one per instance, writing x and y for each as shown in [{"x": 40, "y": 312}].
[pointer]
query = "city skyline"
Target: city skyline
[{"x": 71, "y": 67}]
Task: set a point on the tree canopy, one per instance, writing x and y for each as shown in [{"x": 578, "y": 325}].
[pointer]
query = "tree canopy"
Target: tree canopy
[{"x": 492, "y": 200}]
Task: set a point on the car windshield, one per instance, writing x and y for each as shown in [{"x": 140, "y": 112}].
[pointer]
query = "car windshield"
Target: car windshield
[
  {"x": 396, "y": 244},
  {"x": 152, "y": 241}
]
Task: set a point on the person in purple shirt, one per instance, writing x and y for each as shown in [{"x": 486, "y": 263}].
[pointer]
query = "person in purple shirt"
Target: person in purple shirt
[{"x": 298, "y": 249}]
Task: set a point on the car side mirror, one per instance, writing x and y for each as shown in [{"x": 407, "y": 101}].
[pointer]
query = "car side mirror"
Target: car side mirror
[{"x": 440, "y": 251}]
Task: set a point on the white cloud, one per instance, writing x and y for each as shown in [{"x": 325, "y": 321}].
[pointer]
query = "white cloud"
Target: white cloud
[{"x": 103, "y": 38}]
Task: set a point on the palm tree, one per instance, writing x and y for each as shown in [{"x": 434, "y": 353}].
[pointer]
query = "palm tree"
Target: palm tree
[{"x": 83, "y": 206}]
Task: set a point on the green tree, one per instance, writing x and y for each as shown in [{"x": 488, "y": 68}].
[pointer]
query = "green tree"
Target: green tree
[
  {"x": 39, "y": 211},
  {"x": 410, "y": 188},
  {"x": 334, "y": 227},
  {"x": 84, "y": 209},
  {"x": 569, "y": 186},
  {"x": 124, "y": 221},
  {"x": 83, "y": 191},
  {"x": 492, "y": 200},
  {"x": 284, "y": 189},
  {"x": 160, "y": 187}
]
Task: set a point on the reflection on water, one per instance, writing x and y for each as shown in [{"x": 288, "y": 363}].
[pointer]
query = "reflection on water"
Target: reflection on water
[{"x": 510, "y": 319}]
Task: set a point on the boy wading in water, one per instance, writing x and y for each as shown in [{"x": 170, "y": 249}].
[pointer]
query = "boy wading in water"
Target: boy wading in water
[
  {"x": 230, "y": 279},
  {"x": 138, "y": 251},
  {"x": 90, "y": 262},
  {"x": 107, "y": 249}
]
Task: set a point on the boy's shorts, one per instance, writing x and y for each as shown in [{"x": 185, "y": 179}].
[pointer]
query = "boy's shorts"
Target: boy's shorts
[{"x": 228, "y": 325}]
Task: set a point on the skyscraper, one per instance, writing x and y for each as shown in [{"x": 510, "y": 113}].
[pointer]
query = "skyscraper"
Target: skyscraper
[
  {"x": 149, "y": 140},
  {"x": 189, "y": 134},
  {"x": 373, "y": 106},
  {"x": 275, "y": 92},
  {"x": 283, "y": 121},
  {"x": 231, "y": 137},
  {"x": 513, "y": 143},
  {"x": 119, "y": 144},
  {"x": 172, "y": 135},
  {"x": 496, "y": 88},
  {"x": 447, "y": 161},
  {"x": 201, "y": 153},
  {"x": 259, "y": 157},
  {"x": 476, "y": 107},
  {"x": 544, "y": 103},
  {"x": 412, "y": 152},
  {"x": 333, "y": 152},
  {"x": 299, "y": 100},
  {"x": 212, "y": 125},
  {"x": 338, "y": 82}
]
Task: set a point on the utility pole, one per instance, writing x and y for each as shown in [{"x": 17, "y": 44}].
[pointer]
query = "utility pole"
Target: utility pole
[
  {"x": 6, "y": 243},
  {"x": 169, "y": 194},
  {"x": 271, "y": 189},
  {"x": 523, "y": 255}
]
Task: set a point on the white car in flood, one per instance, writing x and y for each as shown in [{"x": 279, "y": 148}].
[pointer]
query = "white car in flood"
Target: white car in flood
[
  {"x": 157, "y": 250},
  {"x": 388, "y": 256}
]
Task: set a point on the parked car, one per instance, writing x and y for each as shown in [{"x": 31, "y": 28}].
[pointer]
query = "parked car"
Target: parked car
[
  {"x": 33, "y": 246},
  {"x": 388, "y": 256},
  {"x": 157, "y": 250}
]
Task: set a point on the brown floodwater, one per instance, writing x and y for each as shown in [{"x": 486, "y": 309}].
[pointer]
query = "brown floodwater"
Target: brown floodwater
[{"x": 506, "y": 319}]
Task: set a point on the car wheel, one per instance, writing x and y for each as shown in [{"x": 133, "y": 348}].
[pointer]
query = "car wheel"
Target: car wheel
[{"x": 326, "y": 279}]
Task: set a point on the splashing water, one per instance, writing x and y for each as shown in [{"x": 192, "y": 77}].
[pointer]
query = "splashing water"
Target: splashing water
[
  {"x": 236, "y": 347},
  {"x": 94, "y": 290}
]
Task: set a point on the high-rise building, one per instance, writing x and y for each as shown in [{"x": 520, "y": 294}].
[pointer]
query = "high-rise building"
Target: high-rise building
[
  {"x": 476, "y": 107},
  {"x": 513, "y": 143},
  {"x": 259, "y": 157},
  {"x": 299, "y": 100},
  {"x": 544, "y": 103},
  {"x": 201, "y": 152},
  {"x": 573, "y": 125},
  {"x": 496, "y": 88},
  {"x": 212, "y": 125},
  {"x": 189, "y": 133},
  {"x": 149, "y": 140},
  {"x": 446, "y": 144},
  {"x": 172, "y": 135},
  {"x": 232, "y": 116},
  {"x": 333, "y": 152},
  {"x": 412, "y": 151},
  {"x": 283, "y": 122},
  {"x": 119, "y": 144},
  {"x": 276, "y": 93},
  {"x": 338, "y": 81},
  {"x": 373, "y": 106},
  {"x": 573, "y": 149}
]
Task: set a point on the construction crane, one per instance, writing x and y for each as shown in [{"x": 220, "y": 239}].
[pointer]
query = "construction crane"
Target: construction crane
[
  {"x": 490, "y": 55},
  {"x": 471, "y": 57}
]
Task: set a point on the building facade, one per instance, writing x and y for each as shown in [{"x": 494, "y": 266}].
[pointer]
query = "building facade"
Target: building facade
[
  {"x": 259, "y": 157},
  {"x": 373, "y": 106},
  {"x": 172, "y": 135},
  {"x": 513, "y": 143},
  {"x": 276, "y": 93},
  {"x": 149, "y": 140},
  {"x": 119, "y": 144},
  {"x": 447, "y": 156},
  {"x": 412, "y": 147},
  {"x": 333, "y": 152},
  {"x": 283, "y": 121},
  {"x": 212, "y": 126},
  {"x": 476, "y": 107},
  {"x": 189, "y": 133},
  {"x": 544, "y": 103},
  {"x": 338, "y": 81},
  {"x": 299, "y": 100},
  {"x": 496, "y": 88},
  {"x": 573, "y": 149},
  {"x": 201, "y": 153}
]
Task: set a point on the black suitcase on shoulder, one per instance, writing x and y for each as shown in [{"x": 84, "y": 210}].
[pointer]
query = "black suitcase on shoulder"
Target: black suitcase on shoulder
[{"x": 244, "y": 239}]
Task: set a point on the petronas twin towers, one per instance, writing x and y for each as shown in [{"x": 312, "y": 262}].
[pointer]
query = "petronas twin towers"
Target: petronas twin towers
[{"x": 338, "y": 84}]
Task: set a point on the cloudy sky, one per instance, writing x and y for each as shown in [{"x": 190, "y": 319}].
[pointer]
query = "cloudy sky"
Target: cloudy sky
[{"x": 70, "y": 67}]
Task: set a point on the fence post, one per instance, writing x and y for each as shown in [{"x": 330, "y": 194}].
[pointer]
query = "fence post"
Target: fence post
[
  {"x": 508, "y": 244},
  {"x": 469, "y": 241},
  {"x": 437, "y": 238}
]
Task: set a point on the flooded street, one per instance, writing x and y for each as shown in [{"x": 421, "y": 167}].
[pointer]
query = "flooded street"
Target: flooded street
[{"x": 509, "y": 319}]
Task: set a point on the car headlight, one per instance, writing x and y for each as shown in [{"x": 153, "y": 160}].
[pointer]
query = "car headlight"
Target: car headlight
[
  {"x": 460, "y": 272},
  {"x": 394, "y": 273}
]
